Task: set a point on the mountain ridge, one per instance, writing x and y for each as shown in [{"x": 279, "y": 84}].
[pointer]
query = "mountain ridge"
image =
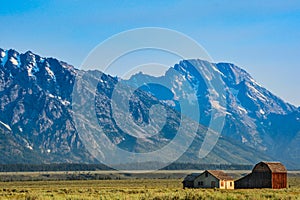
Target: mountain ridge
[{"x": 35, "y": 94}]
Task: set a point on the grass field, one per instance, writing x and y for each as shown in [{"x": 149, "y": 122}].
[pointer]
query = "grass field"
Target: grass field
[{"x": 134, "y": 189}]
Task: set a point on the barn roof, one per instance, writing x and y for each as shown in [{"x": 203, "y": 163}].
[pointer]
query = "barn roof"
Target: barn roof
[
  {"x": 220, "y": 175},
  {"x": 275, "y": 167}
]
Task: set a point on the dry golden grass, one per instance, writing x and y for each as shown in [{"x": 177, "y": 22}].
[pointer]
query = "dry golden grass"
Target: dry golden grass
[{"x": 134, "y": 189}]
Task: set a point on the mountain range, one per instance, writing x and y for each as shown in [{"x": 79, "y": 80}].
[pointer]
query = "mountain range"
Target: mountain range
[{"x": 39, "y": 123}]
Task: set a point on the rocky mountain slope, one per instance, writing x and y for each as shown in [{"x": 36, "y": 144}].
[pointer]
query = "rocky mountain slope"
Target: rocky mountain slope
[
  {"x": 34, "y": 103},
  {"x": 254, "y": 116},
  {"x": 37, "y": 122}
]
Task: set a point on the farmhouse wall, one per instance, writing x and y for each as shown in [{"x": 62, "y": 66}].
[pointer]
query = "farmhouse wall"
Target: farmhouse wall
[{"x": 206, "y": 180}]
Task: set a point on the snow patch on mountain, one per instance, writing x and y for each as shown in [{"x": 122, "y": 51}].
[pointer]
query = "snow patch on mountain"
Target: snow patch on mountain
[
  {"x": 51, "y": 95},
  {"x": 50, "y": 72},
  {"x": 244, "y": 140},
  {"x": 242, "y": 110},
  {"x": 6, "y": 126},
  {"x": 2, "y": 54},
  {"x": 216, "y": 105},
  {"x": 213, "y": 66},
  {"x": 14, "y": 61},
  {"x": 255, "y": 94},
  {"x": 4, "y": 57},
  {"x": 262, "y": 111},
  {"x": 63, "y": 101},
  {"x": 254, "y": 82}
]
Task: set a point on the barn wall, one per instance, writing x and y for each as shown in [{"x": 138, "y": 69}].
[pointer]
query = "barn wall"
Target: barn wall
[
  {"x": 279, "y": 180},
  {"x": 261, "y": 180},
  {"x": 243, "y": 182},
  {"x": 255, "y": 180}
]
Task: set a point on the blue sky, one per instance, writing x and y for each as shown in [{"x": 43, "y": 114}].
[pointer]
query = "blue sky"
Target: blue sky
[{"x": 263, "y": 37}]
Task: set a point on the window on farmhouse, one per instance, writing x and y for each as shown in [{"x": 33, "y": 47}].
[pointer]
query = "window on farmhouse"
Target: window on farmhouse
[
  {"x": 206, "y": 174},
  {"x": 230, "y": 184},
  {"x": 200, "y": 183},
  {"x": 213, "y": 184},
  {"x": 222, "y": 183}
]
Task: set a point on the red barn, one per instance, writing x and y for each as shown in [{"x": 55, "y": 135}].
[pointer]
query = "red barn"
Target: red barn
[{"x": 265, "y": 175}]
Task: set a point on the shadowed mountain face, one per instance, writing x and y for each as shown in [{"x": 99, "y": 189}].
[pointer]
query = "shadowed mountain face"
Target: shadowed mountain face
[{"x": 37, "y": 122}]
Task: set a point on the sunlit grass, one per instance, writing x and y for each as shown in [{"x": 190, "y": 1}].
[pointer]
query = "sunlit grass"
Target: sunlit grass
[{"x": 134, "y": 189}]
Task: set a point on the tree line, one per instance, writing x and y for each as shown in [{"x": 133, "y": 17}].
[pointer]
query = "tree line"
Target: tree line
[{"x": 97, "y": 167}]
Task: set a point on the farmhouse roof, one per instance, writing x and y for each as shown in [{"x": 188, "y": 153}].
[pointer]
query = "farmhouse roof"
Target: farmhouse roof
[
  {"x": 191, "y": 177},
  {"x": 220, "y": 175},
  {"x": 216, "y": 173}
]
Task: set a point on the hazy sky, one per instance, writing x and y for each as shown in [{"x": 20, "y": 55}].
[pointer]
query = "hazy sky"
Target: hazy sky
[{"x": 263, "y": 37}]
